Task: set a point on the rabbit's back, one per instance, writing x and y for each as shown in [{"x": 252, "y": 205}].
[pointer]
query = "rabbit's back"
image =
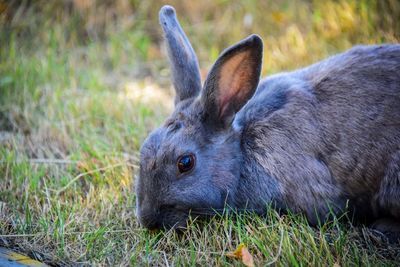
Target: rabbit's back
[{"x": 331, "y": 132}]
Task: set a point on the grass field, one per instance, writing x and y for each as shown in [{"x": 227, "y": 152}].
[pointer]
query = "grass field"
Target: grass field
[{"x": 83, "y": 82}]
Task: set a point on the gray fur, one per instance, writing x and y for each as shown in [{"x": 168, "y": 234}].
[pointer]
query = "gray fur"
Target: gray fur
[{"x": 316, "y": 140}]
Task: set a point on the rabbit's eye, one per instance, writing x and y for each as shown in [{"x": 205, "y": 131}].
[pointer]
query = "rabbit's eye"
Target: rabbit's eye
[{"x": 185, "y": 163}]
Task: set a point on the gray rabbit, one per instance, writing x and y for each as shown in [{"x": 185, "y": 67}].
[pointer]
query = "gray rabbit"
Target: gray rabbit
[{"x": 320, "y": 140}]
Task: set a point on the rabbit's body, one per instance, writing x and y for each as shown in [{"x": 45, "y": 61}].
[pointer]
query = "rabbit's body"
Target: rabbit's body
[
  {"x": 326, "y": 136},
  {"x": 316, "y": 140}
]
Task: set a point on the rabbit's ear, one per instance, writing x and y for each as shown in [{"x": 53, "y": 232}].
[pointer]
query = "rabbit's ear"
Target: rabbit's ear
[
  {"x": 232, "y": 81},
  {"x": 183, "y": 60}
]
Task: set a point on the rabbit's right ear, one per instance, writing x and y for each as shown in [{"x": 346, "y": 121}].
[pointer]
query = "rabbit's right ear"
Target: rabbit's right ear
[
  {"x": 183, "y": 60},
  {"x": 231, "y": 82}
]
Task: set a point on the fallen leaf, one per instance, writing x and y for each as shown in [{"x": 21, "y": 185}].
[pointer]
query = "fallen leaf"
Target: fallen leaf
[{"x": 243, "y": 254}]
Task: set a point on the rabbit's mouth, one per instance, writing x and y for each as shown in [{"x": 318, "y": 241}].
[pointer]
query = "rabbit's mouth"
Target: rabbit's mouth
[
  {"x": 175, "y": 217},
  {"x": 167, "y": 217}
]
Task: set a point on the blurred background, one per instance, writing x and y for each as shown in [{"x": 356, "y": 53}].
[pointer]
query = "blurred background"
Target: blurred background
[
  {"x": 60, "y": 47},
  {"x": 122, "y": 40},
  {"x": 82, "y": 82}
]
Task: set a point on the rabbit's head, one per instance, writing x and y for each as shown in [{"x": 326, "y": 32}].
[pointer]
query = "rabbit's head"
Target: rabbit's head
[{"x": 191, "y": 165}]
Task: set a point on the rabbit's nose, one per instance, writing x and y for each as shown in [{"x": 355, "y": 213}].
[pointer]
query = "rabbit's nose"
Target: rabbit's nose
[
  {"x": 148, "y": 216},
  {"x": 150, "y": 220},
  {"x": 152, "y": 225}
]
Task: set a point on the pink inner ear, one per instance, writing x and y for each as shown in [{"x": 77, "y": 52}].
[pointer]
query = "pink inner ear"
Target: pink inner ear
[{"x": 234, "y": 82}]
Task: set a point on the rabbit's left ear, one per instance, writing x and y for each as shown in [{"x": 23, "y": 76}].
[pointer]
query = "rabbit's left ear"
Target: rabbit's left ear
[
  {"x": 183, "y": 59},
  {"x": 232, "y": 81}
]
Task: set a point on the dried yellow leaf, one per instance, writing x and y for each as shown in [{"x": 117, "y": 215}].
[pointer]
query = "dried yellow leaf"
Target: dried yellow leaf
[{"x": 243, "y": 254}]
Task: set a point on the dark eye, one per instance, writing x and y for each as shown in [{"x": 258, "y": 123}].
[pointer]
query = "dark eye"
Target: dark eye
[{"x": 185, "y": 163}]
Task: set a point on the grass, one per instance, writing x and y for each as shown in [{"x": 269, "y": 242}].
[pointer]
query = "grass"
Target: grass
[{"x": 79, "y": 92}]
